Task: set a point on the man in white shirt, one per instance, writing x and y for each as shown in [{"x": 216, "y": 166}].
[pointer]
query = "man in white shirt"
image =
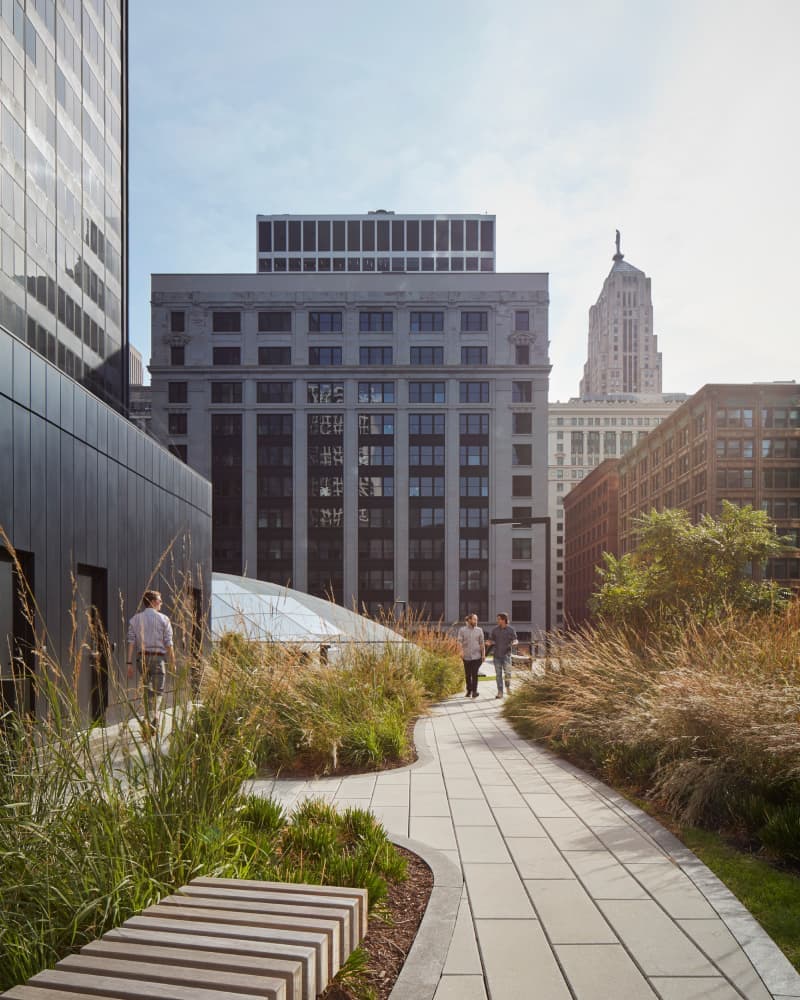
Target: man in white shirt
[
  {"x": 473, "y": 651},
  {"x": 150, "y": 637}
]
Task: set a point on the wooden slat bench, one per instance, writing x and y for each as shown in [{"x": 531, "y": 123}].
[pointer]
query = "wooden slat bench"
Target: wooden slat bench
[{"x": 216, "y": 938}]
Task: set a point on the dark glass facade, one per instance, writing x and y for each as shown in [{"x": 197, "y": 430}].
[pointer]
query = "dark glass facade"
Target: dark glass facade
[
  {"x": 95, "y": 511},
  {"x": 63, "y": 186}
]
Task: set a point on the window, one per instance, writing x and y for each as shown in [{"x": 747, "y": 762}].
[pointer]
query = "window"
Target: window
[
  {"x": 177, "y": 356},
  {"x": 781, "y": 479},
  {"x": 520, "y": 579},
  {"x": 520, "y": 612},
  {"x": 425, "y": 579},
  {"x": 521, "y": 423},
  {"x": 521, "y": 454},
  {"x": 376, "y": 517},
  {"x": 473, "y": 486},
  {"x": 375, "y": 355},
  {"x": 733, "y": 416},
  {"x": 474, "y": 355},
  {"x": 521, "y": 392},
  {"x": 376, "y": 454},
  {"x": 426, "y": 454},
  {"x": 275, "y": 424},
  {"x": 429, "y": 356},
  {"x": 272, "y": 321},
  {"x": 780, "y": 416},
  {"x": 274, "y": 355},
  {"x": 177, "y": 321},
  {"x": 521, "y": 513},
  {"x": 426, "y": 486},
  {"x": 427, "y": 322},
  {"x": 473, "y": 517},
  {"x": 521, "y": 486},
  {"x": 177, "y": 392},
  {"x": 473, "y": 423},
  {"x": 522, "y": 354},
  {"x": 325, "y": 357},
  {"x": 522, "y": 320},
  {"x": 325, "y": 322},
  {"x": 274, "y": 392},
  {"x": 177, "y": 423},
  {"x": 475, "y": 321},
  {"x": 473, "y": 548},
  {"x": 227, "y": 356},
  {"x": 179, "y": 451},
  {"x": 521, "y": 548},
  {"x": 226, "y": 322},
  {"x": 376, "y": 486},
  {"x": 373, "y": 321},
  {"x": 427, "y": 517},
  {"x": 735, "y": 479},
  {"x": 473, "y": 392},
  {"x": 376, "y": 423},
  {"x": 474, "y": 454},
  {"x": 226, "y": 392},
  {"x": 425, "y": 548},
  {"x": 473, "y": 579},
  {"x": 325, "y": 392},
  {"x": 376, "y": 392},
  {"x": 426, "y": 392},
  {"x": 426, "y": 423}
]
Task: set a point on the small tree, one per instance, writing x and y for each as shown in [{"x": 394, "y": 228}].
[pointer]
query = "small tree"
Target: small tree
[{"x": 682, "y": 572}]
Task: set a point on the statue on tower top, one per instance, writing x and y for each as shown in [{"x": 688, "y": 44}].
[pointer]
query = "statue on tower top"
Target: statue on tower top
[{"x": 618, "y": 255}]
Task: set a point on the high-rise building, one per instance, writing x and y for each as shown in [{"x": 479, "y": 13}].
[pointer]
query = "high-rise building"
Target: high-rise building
[
  {"x": 363, "y": 421},
  {"x": 620, "y": 401},
  {"x": 623, "y": 352},
  {"x": 84, "y": 497}
]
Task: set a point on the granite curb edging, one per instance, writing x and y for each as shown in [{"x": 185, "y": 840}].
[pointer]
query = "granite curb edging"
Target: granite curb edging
[
  {"x": 776, "y": 971},
  {"x": 419, "y": 977}
]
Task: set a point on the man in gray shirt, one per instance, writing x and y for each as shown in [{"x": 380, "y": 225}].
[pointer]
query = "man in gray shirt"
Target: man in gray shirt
[
  {"x": 502, "y": 638},
  {"x": 473, "y": 651}
]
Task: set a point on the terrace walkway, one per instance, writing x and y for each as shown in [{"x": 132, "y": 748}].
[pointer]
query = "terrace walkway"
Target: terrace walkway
[{"x": 568, "y": 891}]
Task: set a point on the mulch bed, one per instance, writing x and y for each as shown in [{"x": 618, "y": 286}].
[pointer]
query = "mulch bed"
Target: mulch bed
[{"x": 390, "y": 935}]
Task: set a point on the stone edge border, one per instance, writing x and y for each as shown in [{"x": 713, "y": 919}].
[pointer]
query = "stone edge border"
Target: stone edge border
[
  {"x": 422, "y": 969},
  {"x": 774, "y": 968}
]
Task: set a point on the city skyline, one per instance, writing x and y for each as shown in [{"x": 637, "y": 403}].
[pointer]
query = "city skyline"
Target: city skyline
[{"x": 668, "y": 122}]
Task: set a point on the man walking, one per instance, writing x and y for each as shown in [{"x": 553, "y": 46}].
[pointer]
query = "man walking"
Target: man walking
[
  {"x": 473, "y": 651},
  {"x": 150, "y": 635},
  {"x": 502, "y": 638}
]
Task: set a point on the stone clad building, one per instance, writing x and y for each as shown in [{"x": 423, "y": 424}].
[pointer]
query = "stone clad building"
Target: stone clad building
[{"x": 365, "y": 405}]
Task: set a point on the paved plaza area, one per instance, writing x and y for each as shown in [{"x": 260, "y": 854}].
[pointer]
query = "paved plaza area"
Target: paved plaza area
[{"x": 550, "y": 885}]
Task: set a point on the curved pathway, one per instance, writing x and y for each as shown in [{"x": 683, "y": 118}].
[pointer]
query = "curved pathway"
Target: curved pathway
[{"x": 569, "y": 890}]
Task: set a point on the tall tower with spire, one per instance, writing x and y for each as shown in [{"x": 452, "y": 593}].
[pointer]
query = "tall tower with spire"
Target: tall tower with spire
[{"x": 623, "y": 356}]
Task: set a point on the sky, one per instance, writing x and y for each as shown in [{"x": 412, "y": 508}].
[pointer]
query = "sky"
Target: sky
[{"x": 674, "y": 122}]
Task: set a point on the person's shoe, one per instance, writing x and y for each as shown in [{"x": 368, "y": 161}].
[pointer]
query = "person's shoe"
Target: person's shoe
[
  {"x": 474, "y": 694},
  {"x": 499, "y": 694},
  {"x": 468, "y": 694}
]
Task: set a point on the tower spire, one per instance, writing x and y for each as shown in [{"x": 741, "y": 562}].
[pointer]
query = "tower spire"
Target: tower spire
[{"x": 618, "y": 256}]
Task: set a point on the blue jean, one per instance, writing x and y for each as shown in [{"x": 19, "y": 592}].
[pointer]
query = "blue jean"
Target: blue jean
[{"x": 502, "y": 665}]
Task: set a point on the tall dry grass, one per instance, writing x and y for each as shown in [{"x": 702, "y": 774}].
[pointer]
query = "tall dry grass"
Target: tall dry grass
[
  {"x": 300, "y": 712},
  {"x": 707, "y": 723}
]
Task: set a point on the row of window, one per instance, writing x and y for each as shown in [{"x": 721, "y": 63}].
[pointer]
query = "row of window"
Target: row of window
[
  {"x": 730, "y": 479},
  {"x": 429, "y": 356},
  {"x": 332, "y": 393},
  {"x": 374, "y": 264},
  {"x": 771, "y": 416},
  {"x": 383, "y": 486},
  {"x": 332, "y": 321},
  {"x": 379, "y": 234}
]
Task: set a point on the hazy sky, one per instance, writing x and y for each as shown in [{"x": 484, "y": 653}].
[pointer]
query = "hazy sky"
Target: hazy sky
[{"x": 676, "y": 122}]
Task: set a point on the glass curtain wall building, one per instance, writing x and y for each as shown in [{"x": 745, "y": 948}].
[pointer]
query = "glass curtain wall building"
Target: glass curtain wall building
[{"x": 87, "y": 502}]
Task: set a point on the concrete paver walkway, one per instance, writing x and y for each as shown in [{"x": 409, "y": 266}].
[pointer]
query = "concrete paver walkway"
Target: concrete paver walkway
[{"x": 569, "y": 891}]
